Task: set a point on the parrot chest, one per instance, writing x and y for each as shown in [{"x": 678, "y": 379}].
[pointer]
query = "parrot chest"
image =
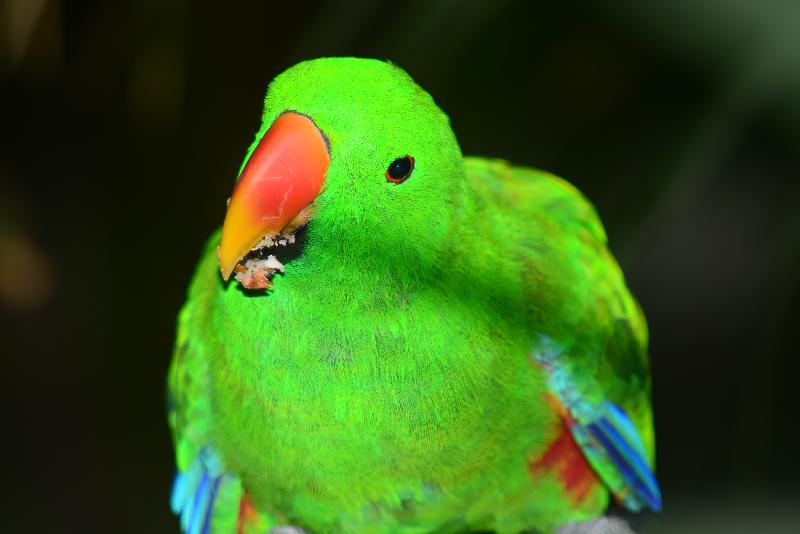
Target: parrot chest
[{"x": 358, "y": 408}]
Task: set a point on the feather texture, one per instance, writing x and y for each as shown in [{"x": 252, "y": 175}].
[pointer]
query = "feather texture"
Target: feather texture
[
  {"x": 194, "y": 493},
  {"x": 383, "y": 383},
  {"x": 606, "y": 435},
  {"x": 207, "y": 499}
]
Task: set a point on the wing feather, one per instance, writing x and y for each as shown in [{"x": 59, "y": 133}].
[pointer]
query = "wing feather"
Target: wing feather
[{"x": 589, "y": 333}]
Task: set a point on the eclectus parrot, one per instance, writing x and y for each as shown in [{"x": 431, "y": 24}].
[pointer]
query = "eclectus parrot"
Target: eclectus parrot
[{"x": 389, "y": 337}]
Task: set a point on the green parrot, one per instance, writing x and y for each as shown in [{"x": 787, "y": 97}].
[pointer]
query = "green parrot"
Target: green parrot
[{"x": 389, "y": 337}]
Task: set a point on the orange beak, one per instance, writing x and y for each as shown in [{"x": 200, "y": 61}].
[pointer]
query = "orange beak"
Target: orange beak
[{"x": 284, "y": 174}]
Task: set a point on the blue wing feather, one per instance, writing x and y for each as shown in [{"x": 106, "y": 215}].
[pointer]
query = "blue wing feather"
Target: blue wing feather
[
  {"x": 197, "y": 517},
  {"x": 606, "y": 435},
  {"x": 194, "y": 492},
  {"x": 628, "y": 459},
  {"x": 210, "y": 507}
]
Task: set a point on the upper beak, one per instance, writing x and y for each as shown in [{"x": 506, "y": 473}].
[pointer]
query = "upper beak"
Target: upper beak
[{"x": 284, "y": 174}]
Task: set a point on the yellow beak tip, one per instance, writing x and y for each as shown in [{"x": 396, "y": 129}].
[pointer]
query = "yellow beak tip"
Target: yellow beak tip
[{"x": 226, "y": 273}]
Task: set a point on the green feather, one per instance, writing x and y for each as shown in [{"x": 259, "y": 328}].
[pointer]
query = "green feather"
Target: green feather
[{"x": 384, "y": 383}]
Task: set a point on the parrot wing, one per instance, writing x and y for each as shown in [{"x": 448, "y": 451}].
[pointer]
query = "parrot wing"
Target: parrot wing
[
  {"x": 606, "y": 435},
  {"x": 205, "y": 496},
  {"x": 591, "y": 336}
]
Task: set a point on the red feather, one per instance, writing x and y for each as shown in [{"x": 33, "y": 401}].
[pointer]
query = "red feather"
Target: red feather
[
  {"x": 247, "y": 515},
  {"x": 565, "y": 458}
]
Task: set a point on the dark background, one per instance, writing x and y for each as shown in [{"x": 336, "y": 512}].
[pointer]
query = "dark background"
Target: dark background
[{"x": 123, "y": 125}]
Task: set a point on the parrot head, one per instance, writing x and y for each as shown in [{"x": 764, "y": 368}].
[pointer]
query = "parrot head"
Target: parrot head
[{"x": 353, "y": 156}]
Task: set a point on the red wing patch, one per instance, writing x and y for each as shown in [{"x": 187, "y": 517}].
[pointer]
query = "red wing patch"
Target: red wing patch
[
  {"x": 565, "y": 458},
  {"x": 247, "y": 515}
]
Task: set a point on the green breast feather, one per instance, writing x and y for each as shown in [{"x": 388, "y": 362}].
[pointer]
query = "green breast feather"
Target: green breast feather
[{"x": 433, "y": 343}]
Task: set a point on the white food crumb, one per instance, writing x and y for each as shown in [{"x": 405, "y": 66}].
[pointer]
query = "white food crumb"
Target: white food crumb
[
  {"x": 272, "y": 263},
  {"x": 267, "y": 241},
  {"x": 256, "y": 273}
]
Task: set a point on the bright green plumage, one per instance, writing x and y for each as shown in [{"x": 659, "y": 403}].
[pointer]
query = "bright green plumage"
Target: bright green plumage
[{"x": 386, "y": 383}]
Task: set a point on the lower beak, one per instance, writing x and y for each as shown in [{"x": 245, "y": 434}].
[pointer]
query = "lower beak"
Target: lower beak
[{"x": 284, "y": 174}]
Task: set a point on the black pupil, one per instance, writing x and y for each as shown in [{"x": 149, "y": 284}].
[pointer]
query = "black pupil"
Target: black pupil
[{"x": 400, "y": 168}]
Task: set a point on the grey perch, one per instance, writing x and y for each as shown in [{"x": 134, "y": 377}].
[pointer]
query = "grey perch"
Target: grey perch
[{"x": 603, "y": 525}]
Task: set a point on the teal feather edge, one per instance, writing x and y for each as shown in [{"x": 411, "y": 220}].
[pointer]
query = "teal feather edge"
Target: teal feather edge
[
  {"x": 605, "y": 434},
  {"x": 194, "y": 492}
]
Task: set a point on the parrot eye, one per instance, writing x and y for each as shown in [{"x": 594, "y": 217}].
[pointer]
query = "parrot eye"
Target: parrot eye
[{"x": 400, "y": 169}]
